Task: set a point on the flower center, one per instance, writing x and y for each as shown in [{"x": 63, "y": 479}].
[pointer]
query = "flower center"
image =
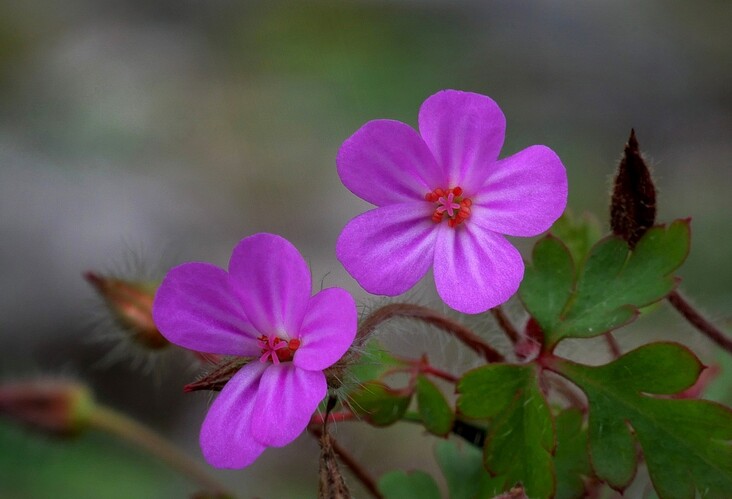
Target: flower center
[
  {"x": 277, "y": 349},
  {"x": 450, "y": 202}
]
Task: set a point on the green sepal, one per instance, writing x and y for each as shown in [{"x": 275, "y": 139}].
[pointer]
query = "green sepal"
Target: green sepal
[{"x": 685, "y": 442}]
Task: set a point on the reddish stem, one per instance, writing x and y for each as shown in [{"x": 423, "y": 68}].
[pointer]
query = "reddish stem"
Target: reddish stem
[
  {"x": 333, "y": 417},
  {"x": 356, "y": 468},
  {"x": 462, "y": 333},
  {"x": 505, "y": 324},
  {"x": 612, "y": 343},
  {"x": 438, "y": 373},
  {"x": 698, "y": 321}
]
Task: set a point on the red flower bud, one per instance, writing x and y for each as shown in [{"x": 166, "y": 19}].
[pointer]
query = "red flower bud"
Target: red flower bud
[
  {"x": 58, "y": 407},
  {"x": 131, "y": 305}
]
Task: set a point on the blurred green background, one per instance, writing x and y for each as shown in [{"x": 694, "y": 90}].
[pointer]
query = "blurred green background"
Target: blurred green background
[{"x": 135, "y": 135}]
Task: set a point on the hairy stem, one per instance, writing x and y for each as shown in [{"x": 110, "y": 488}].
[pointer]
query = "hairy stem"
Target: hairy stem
[
  {"x": 356, "y": 468},
  {"x": 332, "y": 417},
  {"x": 505, "y": 324},
  {"x": 111, "y": 421},
  {"x": 424, "y": 314},
  {"x": 438, "y": 373},
  {"x": 699, "y": 322}
]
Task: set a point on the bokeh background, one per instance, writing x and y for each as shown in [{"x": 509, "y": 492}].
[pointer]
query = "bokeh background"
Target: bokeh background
[{"x": 136, "y": 135}]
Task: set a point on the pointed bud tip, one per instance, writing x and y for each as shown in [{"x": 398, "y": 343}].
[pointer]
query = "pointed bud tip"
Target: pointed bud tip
[
  {"x": 633, "y": 205},
  {"x": 93, "y": 278}
]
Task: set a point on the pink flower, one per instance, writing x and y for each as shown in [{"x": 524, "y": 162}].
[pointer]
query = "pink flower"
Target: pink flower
[
  {"x": 262, "y": 308},
  {"x": 444, "y": 200}
]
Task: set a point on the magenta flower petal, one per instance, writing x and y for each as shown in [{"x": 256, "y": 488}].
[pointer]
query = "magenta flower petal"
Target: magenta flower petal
[
  {"x": 459, "y": 220},
  {"x": 476, "y": 269},
  {"x": 286, "y": 399},
  {"x": 327, "y": 331},
  {"x": 225, "y": 438},
  {"x": 272, "y": 281},
  {"x": 523, "y": 194},
  {"x": 196, "y": 309},
  {"x": 387, "y": 162},
  {"x": 290, "y": 338},
  {"x": 465, "y": 133},
  {"x": 388, "y": 249}
]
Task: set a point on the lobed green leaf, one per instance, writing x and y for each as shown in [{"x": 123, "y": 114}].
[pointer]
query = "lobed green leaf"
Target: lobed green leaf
[
  {"x": 611, "y": 286},
  {"x": 685, "y": 443},
  {"x": 520, "y": 440},
  {"x": 578, "y": 233},
  {"x": 571, "y": 461}
]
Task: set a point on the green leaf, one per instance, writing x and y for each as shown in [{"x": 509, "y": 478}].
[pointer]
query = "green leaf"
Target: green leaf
[
  {"x": 548, "y": 283},
  {"x": 372, "y": 364},
  {"x": 578, "y": 233},
  {"x": 434, "y": 410},
  {"x": 462, "y": 466},
  {"x": 570, "y": 460},
  {"x": 685, "y": 442},
  {"x": 413, "y": 485},
  {"x": 612, "y": 285},
  {"x": 378, "y": 404},
  {"x": 521, "y": 436}
]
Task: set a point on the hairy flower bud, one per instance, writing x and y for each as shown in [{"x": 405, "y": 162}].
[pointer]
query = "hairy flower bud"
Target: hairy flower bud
[
  {"x": 131, "y": 305},
  {"x": 633, "y": 207},
  {"x": 218, "y": 376},
  {"x": 58, "y": 407}
]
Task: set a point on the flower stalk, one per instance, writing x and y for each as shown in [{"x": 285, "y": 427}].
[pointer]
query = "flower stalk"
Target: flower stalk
[
  {"x": 429, "y": 316},
  {"x": 697, "y": 320},
  {"x": 358, "y": 470},
  {"x": 126, "y": 428},
  {"x": 505, "y": 324}
]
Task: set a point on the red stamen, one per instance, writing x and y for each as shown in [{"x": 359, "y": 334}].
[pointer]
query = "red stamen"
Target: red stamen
[
  {"x": 277, "y": 349},
  {"x": 450, "y": 205}
]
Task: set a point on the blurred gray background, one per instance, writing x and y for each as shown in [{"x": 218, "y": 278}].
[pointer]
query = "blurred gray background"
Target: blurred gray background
[{"x": 136, "y": 135}]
